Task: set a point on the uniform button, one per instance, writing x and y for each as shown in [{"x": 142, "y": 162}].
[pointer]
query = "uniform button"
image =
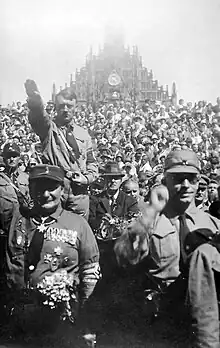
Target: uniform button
[
  {"x": 187, "y": 247},
  {"x": 210, "y": 238}
]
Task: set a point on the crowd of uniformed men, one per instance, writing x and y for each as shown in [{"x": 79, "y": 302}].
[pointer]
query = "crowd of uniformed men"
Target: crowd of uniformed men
[{"x": 111, "y": 185}]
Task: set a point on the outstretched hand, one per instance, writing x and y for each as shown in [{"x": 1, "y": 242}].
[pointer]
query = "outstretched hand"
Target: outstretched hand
[
  {"x": 159, "y": 197},
  {"x": 31, "y": 88},
  {"x": 34, "y": 98}
]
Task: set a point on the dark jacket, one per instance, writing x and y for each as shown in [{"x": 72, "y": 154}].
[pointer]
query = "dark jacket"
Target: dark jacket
[
  {"x": 99, "y": 206},
  {"x": 71, "y": 233},
  {"x": 56, "y": 149}
]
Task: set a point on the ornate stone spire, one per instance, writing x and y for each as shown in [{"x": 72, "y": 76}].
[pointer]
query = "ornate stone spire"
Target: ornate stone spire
[{"x": 174, "y": 94}]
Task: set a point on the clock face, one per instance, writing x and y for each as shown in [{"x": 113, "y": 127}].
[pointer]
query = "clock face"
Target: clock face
[{"x": 114, "y": 79}]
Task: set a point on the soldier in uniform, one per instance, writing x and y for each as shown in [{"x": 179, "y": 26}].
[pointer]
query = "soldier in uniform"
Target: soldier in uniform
[
  {"x": 13, "y": 192},
  {"x": 49, "y": 239},
  {"x": 180, "y": 244},
  {"x": 13, "y": 178},
  {"x": 64, "y": 144}
]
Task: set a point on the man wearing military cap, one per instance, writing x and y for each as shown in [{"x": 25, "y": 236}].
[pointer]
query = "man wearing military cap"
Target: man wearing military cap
[
  {"x": 64, "y": 144},
  {"x": 49, "y": 239},
  {"x": 13, "y": 181},
  {"x": 182, "y": 254}
]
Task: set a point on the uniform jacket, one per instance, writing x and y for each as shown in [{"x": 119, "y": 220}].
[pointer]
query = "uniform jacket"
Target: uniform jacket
[
  {"x": 9, "y": 196},
  {"x": 99, "y": 206},
  {"x": 164, "y": 244},
  {"x": 57, "y": 151},
  {"x": 68, "y": 243}
]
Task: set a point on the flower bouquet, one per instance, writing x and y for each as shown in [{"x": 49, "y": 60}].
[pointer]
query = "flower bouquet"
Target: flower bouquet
[
  {"x": 112, "y": 227},
  {"x": 59, "y": 290}
]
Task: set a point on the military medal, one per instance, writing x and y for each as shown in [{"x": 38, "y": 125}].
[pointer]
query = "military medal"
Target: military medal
[{"x": 43, "y": 224}]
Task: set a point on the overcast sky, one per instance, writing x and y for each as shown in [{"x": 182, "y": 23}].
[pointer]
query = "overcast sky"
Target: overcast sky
[{"x": 46, "y": 40}]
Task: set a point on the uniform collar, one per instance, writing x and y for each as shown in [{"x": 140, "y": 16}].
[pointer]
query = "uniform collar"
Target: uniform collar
[
  {"x": 55, "y": 216},
  {"x": 190, "y": 212}
]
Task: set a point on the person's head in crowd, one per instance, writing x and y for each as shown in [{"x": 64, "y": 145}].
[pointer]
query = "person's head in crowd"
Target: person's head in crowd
[
  {"x": 110, "y": 124},
  {"x": 21, "y": 132},
  {"x": 38, "y": 148},
  {"x": 154, "y": 139},
  {"x": 65, "y": 106},
  {"x": 18, "y": 105},
  {"x": 113, "y": 177},
  {"x": 129, "y": 148},
  {"x": 214, "y": 157},
  {"x": 128, "y": 168},
  {"x": 213, "y": 191},
  {"x": 17, "y": 125},
  {"x": 114, "y": 145},
  {"x": 181, "y": 102},
  {"x": 124, "y": 113},
  {"x": 91, "y": 119},
  {"x": 195, "y": 147},
  {"x": 122, "y": 103},
  {"x": 2, "y": 164},
  {"x": 16, "y": 139},
  {"x": 162, "y": 159},
  {"x": 202, "y": 191},
  {"x": 181, "y": 176},
  {"x": 160, "y": 146},
  {"x": 145, "y": 159},
  {"x": 11, "y": 156},
  {"x": 122, "y": 124},
  {"x": 215, "y": 142},
  {"x": 119, "y": 157},
  {"x": 25, "y": 159},
  {"x": 209, "y": 108},
  {"x": 46, "y": 184},
  {"x": 131, "y": 188},
  {"x": 32, "y": 162},
  {"x": 105, "y": 157}
]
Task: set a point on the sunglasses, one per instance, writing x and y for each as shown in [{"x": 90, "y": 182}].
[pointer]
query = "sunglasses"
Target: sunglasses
[{"x": 179, "y": 178}]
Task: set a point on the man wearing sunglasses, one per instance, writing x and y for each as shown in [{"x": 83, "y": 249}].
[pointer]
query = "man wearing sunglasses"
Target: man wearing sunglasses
[
  {"x": 185, "y": 248},
  {"x": 181, "y": 249}
]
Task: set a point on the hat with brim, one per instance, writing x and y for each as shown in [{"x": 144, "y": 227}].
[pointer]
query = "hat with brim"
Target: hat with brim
[
  {"x": 112, "y": 169},
  {"x": 45, "y": 171},
  {"x": 182, "y": 161}
]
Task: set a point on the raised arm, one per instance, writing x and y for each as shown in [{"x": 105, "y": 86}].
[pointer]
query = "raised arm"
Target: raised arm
[
  {"x": 133, "y": 245},
  {"x": 38, "y": 118}
]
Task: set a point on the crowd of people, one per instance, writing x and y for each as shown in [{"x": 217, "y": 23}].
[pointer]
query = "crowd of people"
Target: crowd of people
[
  {"x": 106, "y": 162},
  {"x": 136, "y": 135}
]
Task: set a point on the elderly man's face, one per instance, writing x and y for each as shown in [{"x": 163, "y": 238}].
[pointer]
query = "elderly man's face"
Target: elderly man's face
[
  {"x": 132, "y": 189},
  {"x": 46, "y": 194},
  {"x": 213, "y": 192},
  {"x": 182, "y": 187}
]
